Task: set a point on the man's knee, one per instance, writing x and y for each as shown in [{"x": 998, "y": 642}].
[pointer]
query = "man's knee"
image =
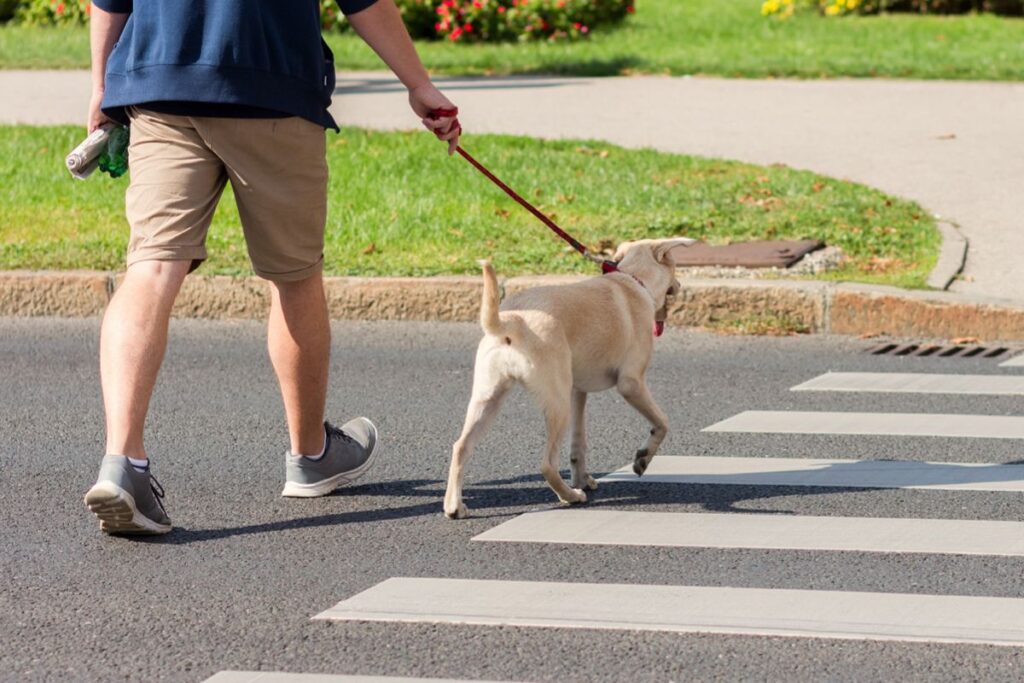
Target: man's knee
[
  {"x": 311, "y": 287},
  {"x": 164, "y": 277}
]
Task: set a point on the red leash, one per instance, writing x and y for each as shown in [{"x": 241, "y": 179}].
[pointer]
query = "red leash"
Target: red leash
[{"x": 606, "y": 266}]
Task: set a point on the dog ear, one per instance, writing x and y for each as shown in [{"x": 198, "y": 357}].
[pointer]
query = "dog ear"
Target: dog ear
[
  {"x": 620, "y": 251},
  {"x": 663, "y": 249}
]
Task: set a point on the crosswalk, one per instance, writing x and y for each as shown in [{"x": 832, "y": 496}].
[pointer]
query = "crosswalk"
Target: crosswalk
[{"x": 760, "y": 611}]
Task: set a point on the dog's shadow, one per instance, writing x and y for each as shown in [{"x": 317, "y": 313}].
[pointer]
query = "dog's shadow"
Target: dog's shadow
[
  {"x": 632, "y": 494},
  {"x": 509, "y": 497}
]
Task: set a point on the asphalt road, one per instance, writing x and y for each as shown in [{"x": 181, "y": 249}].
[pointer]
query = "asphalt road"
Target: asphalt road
[{"x": 234, "y": 586}]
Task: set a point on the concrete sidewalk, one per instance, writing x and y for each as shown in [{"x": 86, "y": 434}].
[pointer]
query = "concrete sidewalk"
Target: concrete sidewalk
[{"x": 954, "y": 147}]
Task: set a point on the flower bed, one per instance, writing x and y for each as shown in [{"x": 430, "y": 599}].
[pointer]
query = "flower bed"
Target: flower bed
[{"x": 498, "y": 20}]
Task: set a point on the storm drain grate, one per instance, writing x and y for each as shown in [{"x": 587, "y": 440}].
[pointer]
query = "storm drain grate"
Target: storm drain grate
[{"x": 939, "y": 350}]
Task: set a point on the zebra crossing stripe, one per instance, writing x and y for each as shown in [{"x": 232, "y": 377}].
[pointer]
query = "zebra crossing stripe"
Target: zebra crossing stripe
[
  {"x": 883, "y": 474},
  {"x": 916, "y": 383},
  {"x": 1015, "y": 362},
  {"x": 765, "y": 532},
  {"x": 690, "y": 609},
  {"x": 895, "y": 424},
  {"x": 282, "y": 677}
]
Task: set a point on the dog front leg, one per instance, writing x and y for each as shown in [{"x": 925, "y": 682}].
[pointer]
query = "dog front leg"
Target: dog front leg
[
  {"x": 637, "y": 395},
  {"x": 581, "y": 479},
  {"x": 557, "y": 421}
]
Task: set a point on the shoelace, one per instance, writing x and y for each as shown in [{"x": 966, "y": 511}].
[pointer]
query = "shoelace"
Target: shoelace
[
  {"x": 334, "y": 431},
  {"x": 158, "y": 491}
]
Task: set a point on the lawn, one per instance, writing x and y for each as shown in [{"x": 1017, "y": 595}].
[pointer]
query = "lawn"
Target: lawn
[
  {"x": 400, "y": 206},
  {"x": 713, "y": 37}
]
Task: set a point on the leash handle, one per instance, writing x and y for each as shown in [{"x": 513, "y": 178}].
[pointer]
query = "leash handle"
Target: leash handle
[{"x": 606, "y": 266}]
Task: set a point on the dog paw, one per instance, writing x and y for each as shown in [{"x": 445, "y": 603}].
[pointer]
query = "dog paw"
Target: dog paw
[
  {"x": 575, "y": 496},
  {"x": 461, "y": 512},
  {"x": 641, "y": 461},
  {"x": 588, "y": 484}
]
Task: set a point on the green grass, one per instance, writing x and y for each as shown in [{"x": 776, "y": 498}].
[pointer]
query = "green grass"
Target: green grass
[
  {"x": 716, "y": 37},
  {"x": 400, "y": 206}
]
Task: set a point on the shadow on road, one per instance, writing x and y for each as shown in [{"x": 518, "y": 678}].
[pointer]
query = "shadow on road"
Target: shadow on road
[{"x": 515, "y": 495}]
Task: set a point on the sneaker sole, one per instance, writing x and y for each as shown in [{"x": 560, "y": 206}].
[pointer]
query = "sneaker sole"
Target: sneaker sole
[
  {"x": 323, "y": 488},
  {"x": 117, "y": 512}
]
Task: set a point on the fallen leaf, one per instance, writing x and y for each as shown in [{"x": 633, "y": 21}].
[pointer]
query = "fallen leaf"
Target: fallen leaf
[{"x": 371, "y": 248}]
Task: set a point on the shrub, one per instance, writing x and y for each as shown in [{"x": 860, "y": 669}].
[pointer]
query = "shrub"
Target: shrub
[
  {"x": 499, "y": 20},
  {"x": 419, "y": 16},
  {"x": 511, "y": 20},
  {"x": 465, "y": 20},
  {"x": 53, "y": 12}
]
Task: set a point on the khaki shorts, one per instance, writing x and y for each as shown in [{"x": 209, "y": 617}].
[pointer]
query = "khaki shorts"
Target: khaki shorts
[{"x": 277, "y": 169}]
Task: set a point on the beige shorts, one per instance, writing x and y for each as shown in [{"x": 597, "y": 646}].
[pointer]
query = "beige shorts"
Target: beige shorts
[{"x": 278, "y": 172}]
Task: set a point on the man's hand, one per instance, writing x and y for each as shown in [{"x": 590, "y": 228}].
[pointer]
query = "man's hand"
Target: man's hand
[
  {"x": 96, "y": 117},
  {"x": 425, "y": 101}
]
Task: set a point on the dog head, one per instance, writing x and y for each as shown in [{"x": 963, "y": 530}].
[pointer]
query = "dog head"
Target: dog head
[{"x": 651, "y": 262}]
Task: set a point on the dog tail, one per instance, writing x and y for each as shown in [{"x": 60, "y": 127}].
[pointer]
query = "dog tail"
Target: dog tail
[{"x": 489, "y": 319}]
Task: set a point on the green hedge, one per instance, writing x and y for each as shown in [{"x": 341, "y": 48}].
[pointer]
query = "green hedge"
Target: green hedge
[{"x": 454, "y": 20}]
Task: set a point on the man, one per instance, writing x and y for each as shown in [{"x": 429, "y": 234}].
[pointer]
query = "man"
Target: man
[{"x": 235, "y": 91}]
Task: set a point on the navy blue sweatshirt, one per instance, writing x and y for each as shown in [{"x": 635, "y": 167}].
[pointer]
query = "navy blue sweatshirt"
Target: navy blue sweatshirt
[{"x": 258, "y": 54}]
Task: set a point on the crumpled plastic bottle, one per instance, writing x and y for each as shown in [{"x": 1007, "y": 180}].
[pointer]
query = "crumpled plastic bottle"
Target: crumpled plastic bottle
[{"x": 114, "y": 159}]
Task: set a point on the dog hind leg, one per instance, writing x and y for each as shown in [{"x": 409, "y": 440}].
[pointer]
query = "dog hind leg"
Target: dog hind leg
[
  {"x": 581, "y": 479},
  {"x": 489, "y": 393},
  {"x": 637, "y": 394}
]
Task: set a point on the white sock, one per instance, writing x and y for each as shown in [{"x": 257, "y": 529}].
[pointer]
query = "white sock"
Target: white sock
[
  {"x": 139, "y": 465},
  {"x": 314, "y": 458}
]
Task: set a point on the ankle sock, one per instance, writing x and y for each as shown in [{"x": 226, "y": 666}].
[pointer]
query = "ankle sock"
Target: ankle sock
[
  {"x": 139, "y": 465},
  {"x": 314, "y": 458}
]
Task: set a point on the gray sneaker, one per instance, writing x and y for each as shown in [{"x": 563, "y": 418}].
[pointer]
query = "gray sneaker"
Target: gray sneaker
[
  {"x": 348, "y": 455},
  {"x": 127, "y": 501}
]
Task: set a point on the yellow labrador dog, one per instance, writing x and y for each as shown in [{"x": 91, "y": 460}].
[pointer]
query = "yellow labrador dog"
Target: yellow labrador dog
[{"x": 562, "y": 343}]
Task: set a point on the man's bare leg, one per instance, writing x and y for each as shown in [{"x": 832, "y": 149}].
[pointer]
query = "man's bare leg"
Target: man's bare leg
[
  {"x": 132, "y": 345},
  {"x": 299, "y": 340}
]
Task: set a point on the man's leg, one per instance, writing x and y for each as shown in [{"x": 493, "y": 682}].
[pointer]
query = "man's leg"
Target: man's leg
[
  {"x": 299, "y": 340},
  {"x": 132, "y": 345},
  {"x": 125, "y": 497}
]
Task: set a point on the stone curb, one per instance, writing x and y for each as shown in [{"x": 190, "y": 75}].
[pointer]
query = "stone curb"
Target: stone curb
[
  {"x": 817, "y": 307},
  {"x": 952, "y": 257}
]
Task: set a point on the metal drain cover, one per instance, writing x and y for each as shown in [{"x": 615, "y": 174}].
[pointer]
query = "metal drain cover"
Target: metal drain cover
[{"x": 764, "y": 254}]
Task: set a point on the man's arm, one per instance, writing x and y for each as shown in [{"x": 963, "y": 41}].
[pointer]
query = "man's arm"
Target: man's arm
[
  {"x": 104, "y": 30},
  {"x": 381, "y": 26}
]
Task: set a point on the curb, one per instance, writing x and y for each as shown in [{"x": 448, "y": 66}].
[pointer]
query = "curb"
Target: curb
[
  {"x": 816, "y": 307},
  {"x": 952, "y": 257}
]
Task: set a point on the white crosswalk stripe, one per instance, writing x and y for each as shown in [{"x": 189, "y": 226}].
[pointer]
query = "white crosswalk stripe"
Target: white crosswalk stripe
[
  {"x": 769, "y": 532},
  {"x": 893, "y": 424},
  {"x": 283, "y": 677},
  {"x": 833, "y": 473},
  {"x": 915, "y": 383},
  {"x": 1015, "y": 362},
  {"x": 690, "y": 609}
]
